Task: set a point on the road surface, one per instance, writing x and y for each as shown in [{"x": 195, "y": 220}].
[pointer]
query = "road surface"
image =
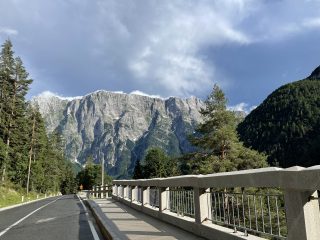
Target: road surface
[{"x": 55, "y": 218}]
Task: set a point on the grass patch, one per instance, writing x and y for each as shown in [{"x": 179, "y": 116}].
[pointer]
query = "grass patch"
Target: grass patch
[{"x": 10, "y": 195}]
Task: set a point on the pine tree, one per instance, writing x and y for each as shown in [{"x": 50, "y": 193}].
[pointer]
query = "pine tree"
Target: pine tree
[
  {"x": 14, "y": 87},
  {"x": 157, "y": 164},
  {"x": 138, "y": 171},
  {"x": 28, "y": 156},
  {"x": 68, "y": 184},
  {"x": 6, "y": 78},
  {"x": 219, "y": 148},
  {"x": 37, "y": 148}
]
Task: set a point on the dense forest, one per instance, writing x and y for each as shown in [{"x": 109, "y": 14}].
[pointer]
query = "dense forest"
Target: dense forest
[
  {"x": 286, "y": 126},
  {"x": 29, "y": 157}
]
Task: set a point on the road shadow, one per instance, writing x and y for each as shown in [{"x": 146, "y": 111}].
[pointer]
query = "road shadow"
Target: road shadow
[
  {"x": 84, "y": 228},
  {"x": 127, "y": 222}
]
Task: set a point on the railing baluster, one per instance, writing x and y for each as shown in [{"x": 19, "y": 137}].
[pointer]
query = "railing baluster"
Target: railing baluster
[
  {"x": 238, "y": 210},
  {"x": 255, "y": 212},
  {"x": 243, "y": 210},
  {"x": 249, "y": 211},
  {"x": 278, "y": 220},
  {"x": 232, "y": 205},
  {"x": 270, "y": 220},
  {"x": 262, "y": 214}
]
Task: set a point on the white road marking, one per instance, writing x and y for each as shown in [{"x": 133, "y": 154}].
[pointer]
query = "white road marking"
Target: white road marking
[
  {"x": 45, "y": 220},
  {"x": 93, "y": 230},
  {"x": 19, "y": 221}
]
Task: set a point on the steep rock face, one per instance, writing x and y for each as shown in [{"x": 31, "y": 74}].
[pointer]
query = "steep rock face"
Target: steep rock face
[
  {"x": 51, "y": 107},
  {"x": 119, "y": 128}
]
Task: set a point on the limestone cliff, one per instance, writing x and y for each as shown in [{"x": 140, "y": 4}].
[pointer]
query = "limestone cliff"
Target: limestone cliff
[{"x": 118, "y": 127}]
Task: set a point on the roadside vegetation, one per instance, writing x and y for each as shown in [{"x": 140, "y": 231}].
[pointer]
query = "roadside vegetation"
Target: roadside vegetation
[
  {"x": 31, "y": 160},
  {"x": 11, "y": 194}
]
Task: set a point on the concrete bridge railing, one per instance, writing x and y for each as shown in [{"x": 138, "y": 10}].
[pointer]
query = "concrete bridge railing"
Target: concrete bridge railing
[{"x": 267, "y": 203}]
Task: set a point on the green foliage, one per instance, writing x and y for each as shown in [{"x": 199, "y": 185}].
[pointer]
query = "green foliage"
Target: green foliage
[
  {"x": 68, "y": 184},
  {"x": 14, "y": 84},
  {"x": 10, "y": 194},
  {"x": 91, "y": 175},
  {"x": 29, "y": 158},
  {"x": 219, "y": 149},
  {"x": 156, "y": 165},
  {"x": 138, "y": 171},
  {"x": 286, "y": 126}
]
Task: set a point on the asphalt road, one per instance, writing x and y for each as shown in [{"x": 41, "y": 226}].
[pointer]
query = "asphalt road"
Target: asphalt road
[{"x": 58, "y": 218}]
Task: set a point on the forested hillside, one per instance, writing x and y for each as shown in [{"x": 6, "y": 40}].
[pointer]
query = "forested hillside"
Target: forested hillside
[
  {"x": 29, "y": 158},
  {"x": 287, "y": 124}
]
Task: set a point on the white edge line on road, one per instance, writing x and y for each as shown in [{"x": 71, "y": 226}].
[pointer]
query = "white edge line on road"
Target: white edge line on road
[
  {"x": 93, "y": 230},
  {"x": 19, "y": 221}
]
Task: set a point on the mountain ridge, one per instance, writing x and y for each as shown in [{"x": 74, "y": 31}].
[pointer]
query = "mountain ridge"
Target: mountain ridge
[
  {"x": 286, "y": 125},
  {"x": 119, "y": 127}
]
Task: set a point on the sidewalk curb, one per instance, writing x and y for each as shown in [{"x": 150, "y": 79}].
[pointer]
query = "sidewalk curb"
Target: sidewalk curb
[
  {"x": 24, "y": 203},
  {"x": 101, "y": 220}
]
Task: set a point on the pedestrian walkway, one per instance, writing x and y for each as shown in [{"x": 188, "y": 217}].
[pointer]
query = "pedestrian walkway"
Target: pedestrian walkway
[{"x": 123, "y": 222}]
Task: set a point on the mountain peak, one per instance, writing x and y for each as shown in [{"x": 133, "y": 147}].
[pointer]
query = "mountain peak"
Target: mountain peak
[
  {"x": 120, "y": 127},
  {"x": 315, "y": 75}
]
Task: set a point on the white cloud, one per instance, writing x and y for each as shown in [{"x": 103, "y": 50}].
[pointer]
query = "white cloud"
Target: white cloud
[
  {"x": 163, "y": 40},
  {"x": 8, "y": 31},
  {"x": 162, "y": 47},
  {"x": 242, "y": 107},
  {"x": 312, "y": 22},
  {"x": 137, "y": 92},
  {"x": 49, "y": 94}
]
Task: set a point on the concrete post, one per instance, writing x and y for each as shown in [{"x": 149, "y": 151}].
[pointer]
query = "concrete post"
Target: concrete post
[
  {"x": 116, "y": 190},
  {"x": 145, "y": 195},
  {"x": 103, "y": 191},
  {"x": 113, "y": 189},
  {"x": 163, "y": 198},
  {"x": 122, "y": 191},
  {"x": 303, "y": 215},
  {"x": 125, "y": 191},
  {"x": 130, "y": 193},
  {"x": 134, "y": 193},
  {"x": 202, "y": 204},
  {"x": 106, "y": 191}
]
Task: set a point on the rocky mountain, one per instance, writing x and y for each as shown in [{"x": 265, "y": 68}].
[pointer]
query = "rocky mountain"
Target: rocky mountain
[
  {"x": 286, "y": 125},
  {"x": 118, "y": 127}
]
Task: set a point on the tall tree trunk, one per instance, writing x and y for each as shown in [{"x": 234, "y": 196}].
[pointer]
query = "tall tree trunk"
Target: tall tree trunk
[
  {"x": 9, "y": 132},
  {"x": 31, "y": 152},
  {"x": 4, "y": 167}
]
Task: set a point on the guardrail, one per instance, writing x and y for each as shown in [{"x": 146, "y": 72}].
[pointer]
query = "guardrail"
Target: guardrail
[
  {"x": 267, "y": 203},
  {"x": 99, "y": 191}
]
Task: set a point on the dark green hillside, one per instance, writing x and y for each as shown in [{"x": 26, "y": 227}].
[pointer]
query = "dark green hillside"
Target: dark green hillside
[{"x": 287, "y": 124}]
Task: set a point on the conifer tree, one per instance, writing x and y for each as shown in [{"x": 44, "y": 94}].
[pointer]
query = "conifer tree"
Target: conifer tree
[
  {"x": 157, "y": 164},
  {"x": 37, "y": 148},
  {"x": 6, "y": 78},
  {"x": 219, "y": 148},
  {"x": 14, "y": 87},
  {"x": 28, "y": 156},
  {"x": 138, "y": 171}
]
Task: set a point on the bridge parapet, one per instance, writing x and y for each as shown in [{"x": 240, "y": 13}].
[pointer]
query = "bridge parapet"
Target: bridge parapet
[{"x": 250, "y": 204}]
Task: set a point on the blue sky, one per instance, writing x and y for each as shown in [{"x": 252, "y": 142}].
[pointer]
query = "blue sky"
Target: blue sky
[{"x": 164, "y": 47}]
